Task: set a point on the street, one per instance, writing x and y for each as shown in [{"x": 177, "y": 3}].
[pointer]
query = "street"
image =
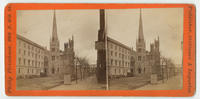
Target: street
[
  {"x": 89, "y": 83},
  {"x": 172, "y": 83},
  {"x": 128, "y": 83},
  {"x": 39, "y": 83}
]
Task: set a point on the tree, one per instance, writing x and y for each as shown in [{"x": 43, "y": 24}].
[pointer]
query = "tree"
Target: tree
[{"x": 84, "y": 66}]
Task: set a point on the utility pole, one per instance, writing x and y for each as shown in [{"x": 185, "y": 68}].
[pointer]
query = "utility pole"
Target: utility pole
[{"x": 76, "y": 70}]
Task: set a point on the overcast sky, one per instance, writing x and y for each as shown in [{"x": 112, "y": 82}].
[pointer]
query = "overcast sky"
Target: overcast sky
[{"x": 122, "y": 25}]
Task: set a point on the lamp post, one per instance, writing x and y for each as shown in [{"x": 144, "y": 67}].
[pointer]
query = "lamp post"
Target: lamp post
[
  {"x": 163, "y": 64},
  {"x": 76, "y": 76}
]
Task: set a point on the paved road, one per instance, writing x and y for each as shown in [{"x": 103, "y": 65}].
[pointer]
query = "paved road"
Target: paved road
[
  {"x": 89, "y": 83},
  {"x": 172, "y": 83},
  {"x": 128, "y": 83}
]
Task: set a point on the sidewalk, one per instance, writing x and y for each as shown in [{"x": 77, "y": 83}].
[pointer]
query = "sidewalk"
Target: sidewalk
[
  {"x": 128, "y": 83},
  {"x": 40, "y": 83},
  {"x": 173, "y": 83},
  {"x": 89, "y": 83}
]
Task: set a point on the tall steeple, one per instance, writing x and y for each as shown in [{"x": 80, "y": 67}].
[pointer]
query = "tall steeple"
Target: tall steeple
[
  {"x": 54, "y": 31},
  {"x": 140, "y": 32},
  {"x": 54, "y": 43},
  {"x": 140, "y": 43}
]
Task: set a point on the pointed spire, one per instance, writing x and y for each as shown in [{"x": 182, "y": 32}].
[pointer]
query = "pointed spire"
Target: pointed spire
[
  {"x": 54, "y": 31},
  {"x": 140, "y": 32}
]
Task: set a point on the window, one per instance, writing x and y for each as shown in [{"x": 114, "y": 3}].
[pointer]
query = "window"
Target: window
[
  {"x": 19, "y": 60},
  {"x": 111, "y": 62},
  {"x": 24, "y": 61},
  {"x": 19, "y": 70},
  {"x": 29, "y": 62},
  {"x": 19, "y": 51},
  {"x": 53, "y": 58},
  {"x": 57, "y": 69},
  {"x": 35, "y": 63},
  {"x": 139, "y": 50},
  {"x": 53, "y": 70},
  {"x": 53, "y": 49},
  {"x": 111, "y": 46},
  {"x": 32, "y": 63},
  {"x": 24, "y": 52},
  {"x": 111, "y": 53},
  {"x": 24, "y": 45},
  {"x": 122, "y": 56},
  {"x": 116, "y": 54},
  {"x": 139, "y": 58},
  {"x": 139, "y": 70}
]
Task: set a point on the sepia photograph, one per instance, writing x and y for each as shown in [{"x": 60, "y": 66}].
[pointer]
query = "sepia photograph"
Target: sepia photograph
[
  {"x": 144, "y": 49},
  {"x": 99, "y": 49},
  {"x": 56, "y": 50}
]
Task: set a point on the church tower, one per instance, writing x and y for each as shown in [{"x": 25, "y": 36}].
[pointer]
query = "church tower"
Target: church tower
[
  {"x": 140, "y": 43},
  {"x": 140, "y": 49},
  {"x": 54, "y": 48}
]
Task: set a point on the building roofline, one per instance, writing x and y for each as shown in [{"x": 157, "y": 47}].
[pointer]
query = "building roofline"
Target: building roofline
[
  {"x": 29, "y": 41},
  {"x": 119, "y": 43}
]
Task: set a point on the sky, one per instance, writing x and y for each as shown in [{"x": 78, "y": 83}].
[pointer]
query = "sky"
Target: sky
[{"x": 121, "y": 24}]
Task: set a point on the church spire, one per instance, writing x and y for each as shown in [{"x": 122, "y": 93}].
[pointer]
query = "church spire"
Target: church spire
[
  {"x": 140, "y": 32},
  {"x": 54, "y": 31}
]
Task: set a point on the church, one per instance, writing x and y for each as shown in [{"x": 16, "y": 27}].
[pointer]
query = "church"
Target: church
[
  {"x": 34, "y": 60},
  {"x": 125, "y": 61},
  {"x": 58, "y": 62}
]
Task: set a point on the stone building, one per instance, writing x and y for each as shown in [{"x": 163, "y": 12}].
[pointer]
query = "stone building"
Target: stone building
[
  {"x": 29, "y": 58},
  {"x": 124, "y": 61},
  {"x": 147, "y": 62},
  {"x": 118, "y": 58},
  {"x": 59, "y": 62},
  {"x": 67, "y": 57},
  {"x": 35, "y": 60}
]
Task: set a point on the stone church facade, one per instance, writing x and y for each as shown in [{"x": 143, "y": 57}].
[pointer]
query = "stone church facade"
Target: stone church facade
[
  {"x": 44, "y": 62},
  {"x": 124, "y": 61}
]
